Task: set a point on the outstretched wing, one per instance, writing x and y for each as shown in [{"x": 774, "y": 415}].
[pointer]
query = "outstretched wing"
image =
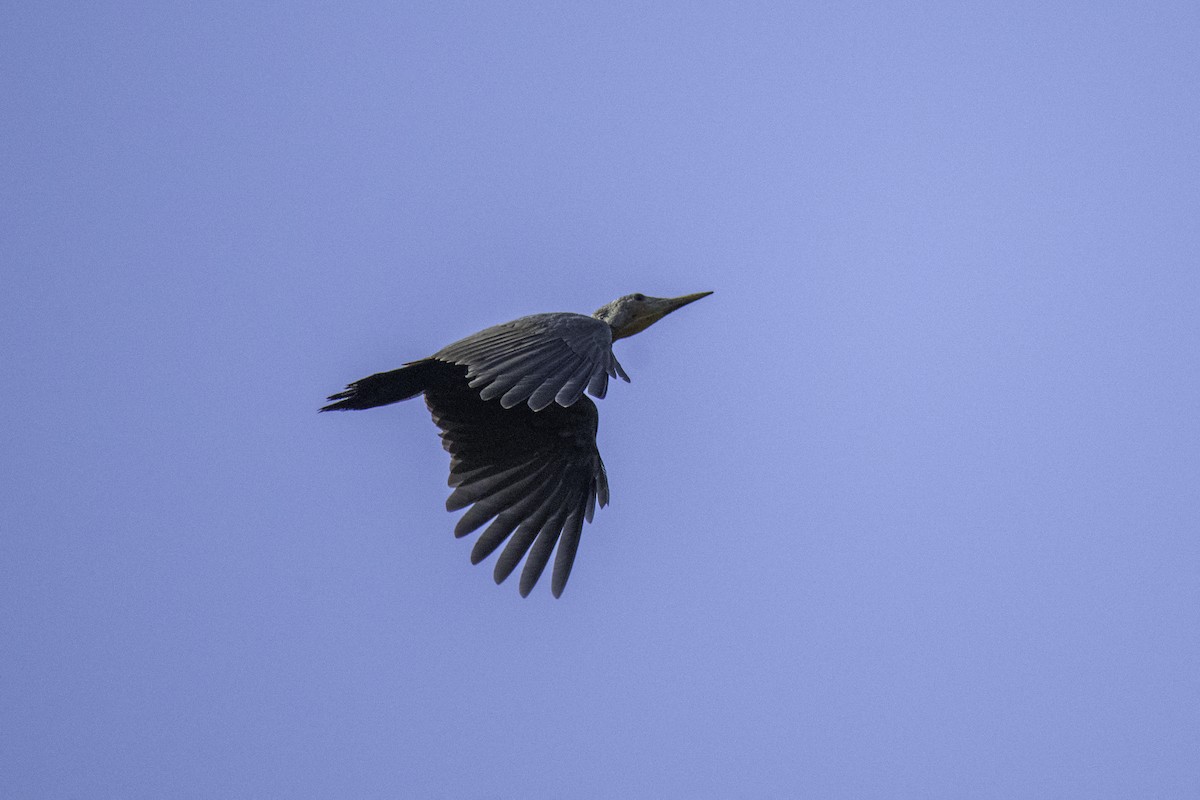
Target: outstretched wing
[
  {"x": 537, "y": 475},
  {"x": 538, "y": 360}
]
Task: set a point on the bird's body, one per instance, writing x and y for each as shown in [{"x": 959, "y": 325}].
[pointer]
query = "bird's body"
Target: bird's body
[{"x": 521, "y": 433}]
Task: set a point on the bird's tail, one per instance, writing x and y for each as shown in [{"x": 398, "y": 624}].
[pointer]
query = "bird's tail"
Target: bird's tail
[{"x": 385, "y": 387}]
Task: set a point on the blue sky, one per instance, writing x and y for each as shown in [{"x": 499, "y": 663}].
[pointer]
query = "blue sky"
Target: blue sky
[{"x": 907, "y": 508}]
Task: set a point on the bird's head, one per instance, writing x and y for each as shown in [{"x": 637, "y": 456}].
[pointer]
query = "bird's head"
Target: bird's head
[{"x": 634, "y": 313}]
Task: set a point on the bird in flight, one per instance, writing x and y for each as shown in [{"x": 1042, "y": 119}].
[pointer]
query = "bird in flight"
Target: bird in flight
[{"x": 521, "y": 433}]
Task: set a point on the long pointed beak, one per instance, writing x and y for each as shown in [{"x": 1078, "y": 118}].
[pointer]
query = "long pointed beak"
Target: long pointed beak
[
  {"x": 650, "y": 310},
  {"x": 675, "y": 303}
]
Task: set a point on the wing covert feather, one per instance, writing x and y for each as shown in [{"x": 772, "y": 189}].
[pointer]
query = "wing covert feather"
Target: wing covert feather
[{"x": 538, "y": 360}]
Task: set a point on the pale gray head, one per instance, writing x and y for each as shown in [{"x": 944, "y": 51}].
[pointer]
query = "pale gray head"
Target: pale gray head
[{"x": 634, "y": 313}]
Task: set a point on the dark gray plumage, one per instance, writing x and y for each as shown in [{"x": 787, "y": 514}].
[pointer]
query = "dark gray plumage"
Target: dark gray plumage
[{"x": 521, "y": 434}]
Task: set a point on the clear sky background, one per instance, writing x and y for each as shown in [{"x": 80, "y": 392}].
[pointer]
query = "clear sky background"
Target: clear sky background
[{"x": 908, "y": 508}]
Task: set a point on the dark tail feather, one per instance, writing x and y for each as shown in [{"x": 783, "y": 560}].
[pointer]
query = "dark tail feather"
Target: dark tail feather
[{"x": 385, "y": 387}]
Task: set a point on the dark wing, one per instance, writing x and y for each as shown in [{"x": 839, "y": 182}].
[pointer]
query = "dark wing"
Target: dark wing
[
  {"x": 538, "y": 360},
  {"x": 536, "y": 474}
]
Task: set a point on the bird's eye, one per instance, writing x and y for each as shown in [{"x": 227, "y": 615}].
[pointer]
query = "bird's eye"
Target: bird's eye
[{"x": 639, "y": 297}]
